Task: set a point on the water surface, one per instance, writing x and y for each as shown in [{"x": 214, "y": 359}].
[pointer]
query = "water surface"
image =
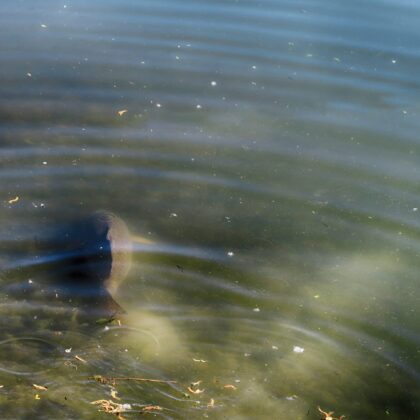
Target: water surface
[{"x": 268, "y": 151}]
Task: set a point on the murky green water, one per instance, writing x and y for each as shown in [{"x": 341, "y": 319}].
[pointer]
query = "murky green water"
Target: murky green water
[{"x": 269, "y": 152}]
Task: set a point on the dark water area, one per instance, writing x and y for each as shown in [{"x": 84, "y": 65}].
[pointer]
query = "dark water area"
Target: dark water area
[{"x": 265, "y": 157}]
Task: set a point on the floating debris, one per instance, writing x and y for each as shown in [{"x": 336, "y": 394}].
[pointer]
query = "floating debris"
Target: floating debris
[
  {"x": 68, "y": 350},
  {"x": 328, "y": 415},
  {"x": 196, "y": 383},
  {"x": 211, "y": 403},
  {"x": 43, "y": 25},
  {"x": 230, "y": 386},
  {"x": 200, "y": 361},
  {"x": 80, "y": 359},
  {"x": 122, "y": 112},
  {"x": 195, "y": 391},
  {"x": 14, "y": 200},
  {"x": 40, "y": 387},
  {"x": 213, "y": 83},
  {"x": 298, "y": 349},
  {"x": 256, "y": 309},
  {"x": 109, "y": 406},
  {"x": 152, "y": 408},
  {"x": 114, "y": 393}
]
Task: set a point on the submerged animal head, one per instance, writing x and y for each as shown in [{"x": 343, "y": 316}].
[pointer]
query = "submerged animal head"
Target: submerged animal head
[{"x": 94, "y": 258}]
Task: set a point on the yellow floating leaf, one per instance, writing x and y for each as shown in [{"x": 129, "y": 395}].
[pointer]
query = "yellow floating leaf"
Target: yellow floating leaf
[
  {"x": 229, "y": 386},
  {"x": 37, "y": 397}
]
